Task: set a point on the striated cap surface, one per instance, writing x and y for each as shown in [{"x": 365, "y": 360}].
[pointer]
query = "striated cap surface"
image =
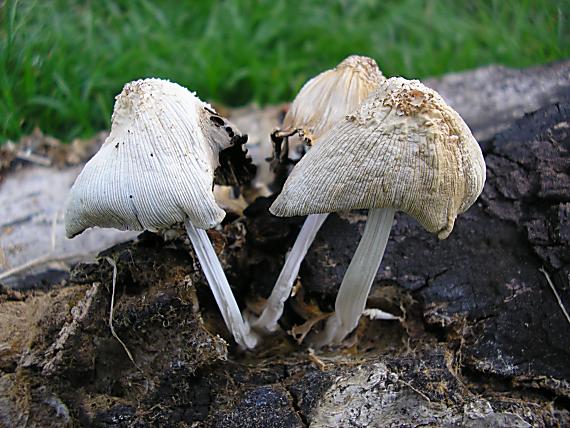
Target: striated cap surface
[
  {"x": 403, "y": 147},
  {"x": 156, "y": 167},
  {"x": 326, "y": 98}
]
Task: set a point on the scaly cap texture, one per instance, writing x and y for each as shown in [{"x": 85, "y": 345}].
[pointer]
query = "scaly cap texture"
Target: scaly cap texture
[
  {"x": 156, "y": 167},
  {"x": 325, "y": 99},
  {"x": 405, "y": 148}
]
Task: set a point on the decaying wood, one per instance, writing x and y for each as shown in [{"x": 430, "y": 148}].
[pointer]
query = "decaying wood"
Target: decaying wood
[{"x": 482, "y": 340}]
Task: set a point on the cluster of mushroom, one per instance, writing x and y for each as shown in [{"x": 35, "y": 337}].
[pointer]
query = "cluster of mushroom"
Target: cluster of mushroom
[{"x": 375, "y": 143}]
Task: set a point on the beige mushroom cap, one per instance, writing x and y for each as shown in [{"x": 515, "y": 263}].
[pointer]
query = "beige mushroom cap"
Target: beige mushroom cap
[
  {"x": 156, "y": 167},
  {"x": 404, "y": 148},
  {"x": 326, "y": 98}
]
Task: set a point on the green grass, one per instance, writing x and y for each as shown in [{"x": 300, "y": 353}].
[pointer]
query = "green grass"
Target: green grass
[{"x": 62, "y": 62}]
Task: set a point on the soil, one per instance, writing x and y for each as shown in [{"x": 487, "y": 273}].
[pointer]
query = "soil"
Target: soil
[{"x": 482, "y": 340}]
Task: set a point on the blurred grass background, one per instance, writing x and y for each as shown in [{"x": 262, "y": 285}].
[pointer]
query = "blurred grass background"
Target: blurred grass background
[{"x": 62, "y": 62}]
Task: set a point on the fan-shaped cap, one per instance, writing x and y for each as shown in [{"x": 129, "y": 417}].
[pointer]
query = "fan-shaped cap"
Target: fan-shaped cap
[
  {"x": 156, "y": 167},
  {"x": 325, "y": 99},
  {"x": 402, "y": 148}
]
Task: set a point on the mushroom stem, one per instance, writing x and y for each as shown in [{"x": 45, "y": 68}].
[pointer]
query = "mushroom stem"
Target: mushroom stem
[
  {"x": 220, "y": 287},
  {"x": 358, "y": 279},
  {"x": 273, "y": 309}
]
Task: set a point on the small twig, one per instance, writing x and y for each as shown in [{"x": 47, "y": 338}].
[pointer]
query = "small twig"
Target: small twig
[
  {"x": 53, "y": 231},
  {"x": 25, "y": 266},
  {"x": 48, "y": 258},
  {"x": 299, "y": 332},
  {"x": 30, "y": 157},
  {"x": 378, "y": 314},
  {"x": 555, "y": 294},
  {"x": 414, "y": 389},
  {"x": 316, "y": 360},
  {"x": 114, "y": 265},
  {"x": 296, "y": 288}
]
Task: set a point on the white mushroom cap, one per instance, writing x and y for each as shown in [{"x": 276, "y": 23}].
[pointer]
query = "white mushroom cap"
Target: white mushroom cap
[
  {"x": 325, "y": 99},
  {"x": 156, "y": 167},
  {"x": 404, "y": 148}
]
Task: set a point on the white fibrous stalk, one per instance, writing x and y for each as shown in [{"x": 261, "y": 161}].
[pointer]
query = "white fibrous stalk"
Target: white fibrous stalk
[
  {"x": 218, "y": 282},
  {"x": 355, "y": 287},
  {"x": 273, "y": 309}
]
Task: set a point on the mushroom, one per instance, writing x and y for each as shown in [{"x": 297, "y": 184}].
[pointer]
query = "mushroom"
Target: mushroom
[
  {"x": 402, "y": 149},
  {"x": 156, "y": 169},
  {"x": 322, "y": 102},
  {"x": 328, "y": 97}
]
